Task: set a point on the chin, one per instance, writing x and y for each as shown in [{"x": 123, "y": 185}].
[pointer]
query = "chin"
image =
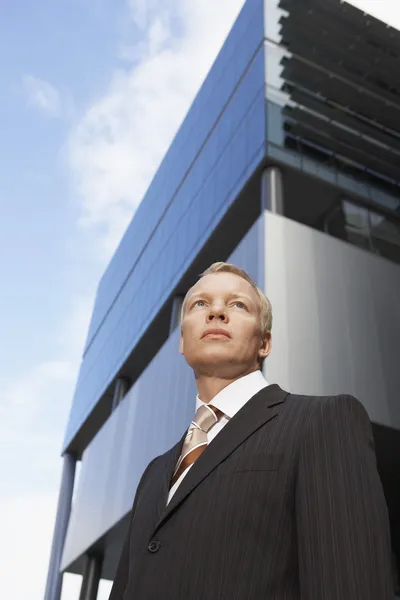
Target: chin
[{"x": 207, "y": 361}]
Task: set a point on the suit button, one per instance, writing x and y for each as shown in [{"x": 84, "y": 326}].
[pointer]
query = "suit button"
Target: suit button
[{"x": 154, "y": 546}]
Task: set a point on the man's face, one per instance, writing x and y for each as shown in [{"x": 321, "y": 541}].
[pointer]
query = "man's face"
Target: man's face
[{"x": 221, "y": 328}]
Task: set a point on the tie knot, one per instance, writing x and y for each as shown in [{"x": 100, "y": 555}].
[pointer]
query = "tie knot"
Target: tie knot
[{"x": 206, "y": 416}]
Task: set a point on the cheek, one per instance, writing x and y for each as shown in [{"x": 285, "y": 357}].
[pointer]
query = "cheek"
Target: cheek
[
  {"x": 250, "y": 337},
  {"x": 190, "y": 336}
]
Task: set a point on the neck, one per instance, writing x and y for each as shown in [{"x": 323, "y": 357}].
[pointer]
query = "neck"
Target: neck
[{"x": 209, "y": 386}]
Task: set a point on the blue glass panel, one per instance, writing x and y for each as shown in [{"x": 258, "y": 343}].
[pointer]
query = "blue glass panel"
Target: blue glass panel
[{"x": 210, "y": 156}]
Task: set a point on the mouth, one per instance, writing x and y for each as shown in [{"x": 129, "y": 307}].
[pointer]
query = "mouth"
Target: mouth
[{"x": 216, "y": 334}]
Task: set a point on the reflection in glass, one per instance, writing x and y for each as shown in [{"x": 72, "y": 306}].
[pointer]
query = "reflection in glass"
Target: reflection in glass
[
  {"x": 357, "y": 225},
  {"x": 365, "y": 228},
  {"x": 330, "y": 109},
  {"x": 385, "y": 236}
]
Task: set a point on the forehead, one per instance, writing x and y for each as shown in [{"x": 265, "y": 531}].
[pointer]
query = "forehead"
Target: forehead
[{"x": 223, "y": 284}]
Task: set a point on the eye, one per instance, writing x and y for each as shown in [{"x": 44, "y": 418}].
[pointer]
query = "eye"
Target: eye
[
  {"x": 199, "y": 303},
  {"x": 239, "y": 304}
]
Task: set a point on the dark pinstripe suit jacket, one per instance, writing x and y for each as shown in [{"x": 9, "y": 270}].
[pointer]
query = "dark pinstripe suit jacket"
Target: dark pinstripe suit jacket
[{"x": 284, "y": 504}]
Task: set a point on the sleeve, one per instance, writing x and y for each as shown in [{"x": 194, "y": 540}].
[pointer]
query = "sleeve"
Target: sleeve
[
  {"x": 342, "y": 523},
  {"x": 121, "y": 576}
]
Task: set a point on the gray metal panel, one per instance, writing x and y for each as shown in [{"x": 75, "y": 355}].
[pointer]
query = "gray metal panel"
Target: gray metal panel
[
  {"x": 150, "y": 419},
  {"x": 336, "y": 318}
]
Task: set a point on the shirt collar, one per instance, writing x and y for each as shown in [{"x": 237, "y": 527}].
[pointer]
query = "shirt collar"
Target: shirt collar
[{"x": 235, "y": 395}]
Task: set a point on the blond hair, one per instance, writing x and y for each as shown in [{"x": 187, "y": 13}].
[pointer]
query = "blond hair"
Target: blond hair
[{"x": 265, "y": 304}]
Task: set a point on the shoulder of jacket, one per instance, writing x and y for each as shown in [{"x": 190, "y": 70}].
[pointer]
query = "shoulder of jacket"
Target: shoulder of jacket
[{"x": 312, "y": 403}]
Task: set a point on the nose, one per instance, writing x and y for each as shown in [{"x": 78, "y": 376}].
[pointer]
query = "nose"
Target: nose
[{"x": 217, "y": 312}]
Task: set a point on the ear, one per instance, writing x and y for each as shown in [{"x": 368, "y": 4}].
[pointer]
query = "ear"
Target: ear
[
  {"x": 266, "y": 346},
  {"x": 181, "y": 345}
]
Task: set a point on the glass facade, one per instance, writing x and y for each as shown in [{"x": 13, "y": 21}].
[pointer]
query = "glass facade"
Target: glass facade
[
  {"x": 365, "y": 228},
  {"x": 333, "y": 109},
  {"x": 308, "y": 88},
  {"x": 218, "y": 147}
]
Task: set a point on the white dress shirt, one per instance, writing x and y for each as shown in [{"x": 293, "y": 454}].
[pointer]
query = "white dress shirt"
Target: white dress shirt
[{"x": 229, "y": 400}]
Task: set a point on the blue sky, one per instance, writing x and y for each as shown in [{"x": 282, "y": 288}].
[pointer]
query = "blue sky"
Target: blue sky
[
  {"x": 92, "y": 94},
  {"x": 71, "y": 47}
]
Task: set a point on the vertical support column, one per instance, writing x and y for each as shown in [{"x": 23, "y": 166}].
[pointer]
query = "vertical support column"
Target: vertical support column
[
  {"x": 121, "y": 387},
  {"x": 175, "y": 313},
  {"x": 271, "y": 200},
  {"x": 91, "y": 577},
  {"x": 272, "y": 191},
  {"x": 54, "y": 577}
]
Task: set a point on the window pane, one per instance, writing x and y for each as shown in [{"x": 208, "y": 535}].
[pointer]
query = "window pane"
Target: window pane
[
  {"x": 357, "y": 225},
  {"x": 385, "y": 237}
]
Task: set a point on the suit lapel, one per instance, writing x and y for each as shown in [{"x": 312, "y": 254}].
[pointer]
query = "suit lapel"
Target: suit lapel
[
  {"x": 260, "y": 409},
  {"x": 164, "y": 473}
]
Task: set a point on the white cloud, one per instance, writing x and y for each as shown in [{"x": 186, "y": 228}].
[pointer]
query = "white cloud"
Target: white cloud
[
  {"x": 34, "y": 407},
  {"x": 42, "y": 96},
  {"x": 33, "y": 415},
  {"x": 115, "y": 149}
]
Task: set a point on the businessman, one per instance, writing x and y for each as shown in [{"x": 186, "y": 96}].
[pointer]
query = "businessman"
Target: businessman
[{"x": 268, "y": 495}]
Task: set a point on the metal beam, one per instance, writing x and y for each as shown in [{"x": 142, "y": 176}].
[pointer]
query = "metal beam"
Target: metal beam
[
  {"x": 175, "y": 313},
  {"x": 121, "y": 387},
  {"x": 91, "y": 577},
  {"x": 54, "y": 576},
  {"x": 272, "y": 191}
]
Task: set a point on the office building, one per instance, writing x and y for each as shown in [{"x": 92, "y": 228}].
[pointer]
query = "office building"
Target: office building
[{"x": 288, "y": 165}]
